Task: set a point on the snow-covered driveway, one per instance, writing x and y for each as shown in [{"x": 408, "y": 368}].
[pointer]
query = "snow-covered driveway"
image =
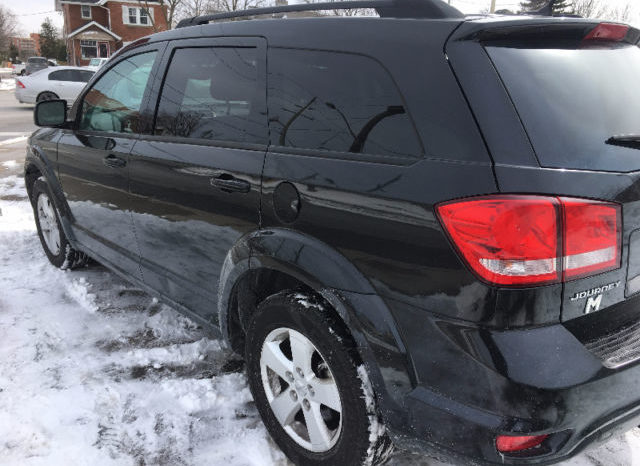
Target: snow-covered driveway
[{"x": 95, "y": 372}]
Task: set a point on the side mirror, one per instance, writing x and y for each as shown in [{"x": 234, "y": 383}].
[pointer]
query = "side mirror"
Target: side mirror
[{"x": 52, "y": 113}]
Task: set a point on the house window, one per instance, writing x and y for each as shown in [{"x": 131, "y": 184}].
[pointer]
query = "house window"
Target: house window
[
  {"x": 133, "y": 16},
  {"x": 144, "y": 17},
  {"x": 86, "y": 11},
  {"x": 137, "y": 16},
  {"x": 89, "y": 48}
]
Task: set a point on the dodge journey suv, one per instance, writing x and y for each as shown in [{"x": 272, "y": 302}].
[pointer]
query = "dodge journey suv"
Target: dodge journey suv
[{"x": 419, "y": 229}]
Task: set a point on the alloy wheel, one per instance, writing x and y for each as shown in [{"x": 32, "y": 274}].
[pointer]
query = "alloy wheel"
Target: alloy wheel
[
  {"x": 301, "y": 389},
  {"x": 48, "y": 224}
]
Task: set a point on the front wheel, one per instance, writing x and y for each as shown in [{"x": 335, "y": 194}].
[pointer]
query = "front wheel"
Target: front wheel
[
  {"x": 52, "y": 237},
  {"x": 314, "y": 398}
]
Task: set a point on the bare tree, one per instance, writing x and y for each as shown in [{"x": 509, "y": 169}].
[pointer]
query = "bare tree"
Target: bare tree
[
  {"x": 191, "y": 8},
  {"x": 234, "y": 5},
  {"x": 8, "y": 26},
  {"x": 599, "y": 9},
  {"x": 168, "y": 9},
  {"x": 345, "y": 12}
]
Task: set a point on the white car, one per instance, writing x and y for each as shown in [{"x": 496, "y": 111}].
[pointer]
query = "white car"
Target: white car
[
  {"x": 96, "y": 63},
  {"x": 60, "y": 82}
]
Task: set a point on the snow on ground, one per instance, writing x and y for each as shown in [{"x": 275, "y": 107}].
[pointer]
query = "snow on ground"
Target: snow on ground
[
  {"x": 95, "y": 372},
  {"x": 7, "y": 84}
]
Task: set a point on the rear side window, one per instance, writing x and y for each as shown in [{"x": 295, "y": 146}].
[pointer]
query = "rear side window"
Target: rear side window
[
  {"x": 62, "y": 75},
  {"x": 337, "y": 102},
  {"x": 573, "y": 101},
  {"x": 213, "y": 93}
]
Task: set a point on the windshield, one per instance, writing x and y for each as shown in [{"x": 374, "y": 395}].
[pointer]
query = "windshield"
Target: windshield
[
  {"x": 572, "y": 101},
  {"x": 37, "y": 61},
  {"x": 95, "y": 62}
]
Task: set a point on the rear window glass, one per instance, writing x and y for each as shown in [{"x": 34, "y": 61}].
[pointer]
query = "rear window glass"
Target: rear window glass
[
  {"x": 37, "y": 61},
  {"x": 572, "y": 101},
  {"x": 337, "y": 102}
]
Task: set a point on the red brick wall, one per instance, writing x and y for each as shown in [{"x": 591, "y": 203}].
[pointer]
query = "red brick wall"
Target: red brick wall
[
  {"x": 132, "y": 32},
  {"x": 74, "y": 19}
]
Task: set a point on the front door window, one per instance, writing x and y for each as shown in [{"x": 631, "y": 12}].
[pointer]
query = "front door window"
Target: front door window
[{"x": 114, "y": 101}]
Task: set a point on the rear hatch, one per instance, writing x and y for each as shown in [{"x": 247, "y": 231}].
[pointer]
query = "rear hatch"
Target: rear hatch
[{"x": 575, "y": 87}]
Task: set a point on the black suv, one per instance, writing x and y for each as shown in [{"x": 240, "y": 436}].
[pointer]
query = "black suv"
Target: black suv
[{"x": 420, "y": 229}]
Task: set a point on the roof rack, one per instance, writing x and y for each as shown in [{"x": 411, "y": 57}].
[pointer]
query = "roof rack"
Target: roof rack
[{"x": 432, "y": 9}]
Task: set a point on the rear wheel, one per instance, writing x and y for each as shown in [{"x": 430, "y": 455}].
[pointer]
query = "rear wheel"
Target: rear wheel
[
  {"x": 315, "y": 399},
  {"x": 46, "y": 95},
  {"x": 52, "y": 237}
]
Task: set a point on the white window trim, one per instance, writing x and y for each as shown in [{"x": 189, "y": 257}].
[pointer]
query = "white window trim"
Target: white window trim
[
  {"x": 82, "y": 7},
  {"x": 125, "y": 16},
  {"x": 85, "y": 46}
]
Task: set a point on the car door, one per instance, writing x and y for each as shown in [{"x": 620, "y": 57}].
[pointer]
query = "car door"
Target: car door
[
  {"x": 93, "y": 158},
  {"x": 195, "y": 181},
  {"x": 78, "y": 79},
  {"x": 55, "y": 82}
]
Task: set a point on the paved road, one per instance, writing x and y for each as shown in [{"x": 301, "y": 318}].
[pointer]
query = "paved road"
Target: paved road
[
  {"x": 16, "y": 122},
  {"x": 14, "y": 116}
]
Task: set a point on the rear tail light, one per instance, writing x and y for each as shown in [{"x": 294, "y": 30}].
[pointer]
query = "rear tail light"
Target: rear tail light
[
  {"x": 608, "y": 32},
  {"x": 509, "y": 444},
  {"x": 19, "y": 84},
  {"x": 533, "y": 240}
]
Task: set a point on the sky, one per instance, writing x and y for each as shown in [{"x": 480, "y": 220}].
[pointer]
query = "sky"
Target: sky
[{"x": 31, "y": 13}]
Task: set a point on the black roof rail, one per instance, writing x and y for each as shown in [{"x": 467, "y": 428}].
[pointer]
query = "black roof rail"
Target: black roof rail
[{"x": 433, "y": 9}]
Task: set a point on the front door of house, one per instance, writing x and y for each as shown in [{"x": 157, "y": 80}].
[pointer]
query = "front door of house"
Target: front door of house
[{"x": 103, "y": 49}]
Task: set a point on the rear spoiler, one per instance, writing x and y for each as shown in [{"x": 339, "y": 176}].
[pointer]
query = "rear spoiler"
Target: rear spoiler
[{"x": 550, "y": 33}]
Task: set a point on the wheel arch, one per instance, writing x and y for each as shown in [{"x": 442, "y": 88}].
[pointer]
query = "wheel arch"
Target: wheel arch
[
  {"x": 269, "y": 261},
  {"x": 37, "y": 165}
]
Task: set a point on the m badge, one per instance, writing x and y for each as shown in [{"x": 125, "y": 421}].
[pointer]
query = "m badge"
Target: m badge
[{"x": 593, "y": 304}]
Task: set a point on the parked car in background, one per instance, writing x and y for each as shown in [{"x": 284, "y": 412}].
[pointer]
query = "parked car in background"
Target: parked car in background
[
  {"x": 35, "y": 64},
  {"x": 96, "y": 63},
  {"x": 18, "y": 68},
  {"x": 61, "y": 82}
]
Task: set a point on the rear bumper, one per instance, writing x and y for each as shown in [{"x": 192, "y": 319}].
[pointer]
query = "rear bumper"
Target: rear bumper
[{"x": 473, "y": 384}]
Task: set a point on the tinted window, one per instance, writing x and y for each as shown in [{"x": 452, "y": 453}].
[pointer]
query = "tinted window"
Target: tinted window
[
  {"x": 572, "y": 101},
  {"x": 83, "y": 76},
  {"x": 37, "y": 61},
  {"x": 114, "y": 101},
  {"x": 62, "y": 75},
  {"x": 336, "y": 102},
  {"x": 213, "y": 93}
]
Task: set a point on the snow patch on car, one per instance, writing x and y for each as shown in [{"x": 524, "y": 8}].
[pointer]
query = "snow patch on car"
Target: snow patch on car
[
  {"x": 303, "y": 300},
  {"x": 376, "y": 428}
]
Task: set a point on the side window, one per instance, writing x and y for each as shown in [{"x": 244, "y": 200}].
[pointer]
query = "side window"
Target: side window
[
  {"x": 336, "y": 102},
  {"x": 56, "y": 76},
  {"x": 82, "y": 76},
  {"x": 61, "y": 75},
  {"x": 213, "y": 93},
  {"x": 113, "y": 103}
]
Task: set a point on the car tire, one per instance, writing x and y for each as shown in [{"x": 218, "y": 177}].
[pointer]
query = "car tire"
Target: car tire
[
  {"x": 46, "y": 95},
  {"x": 52, "y": 237},
  {"x": 304, "y": 370}
]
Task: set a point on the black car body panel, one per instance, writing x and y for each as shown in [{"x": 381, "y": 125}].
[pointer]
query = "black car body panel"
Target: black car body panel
[{"x": 454, "y": 361}]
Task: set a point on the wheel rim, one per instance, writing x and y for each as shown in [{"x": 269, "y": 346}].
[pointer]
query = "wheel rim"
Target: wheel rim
[
  {"x": 301, "y": 390},
  {"x": 48, "y": 224}
]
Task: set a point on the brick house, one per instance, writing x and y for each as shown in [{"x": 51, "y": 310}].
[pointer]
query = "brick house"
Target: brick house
[{"x": 97, "y": 28}]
